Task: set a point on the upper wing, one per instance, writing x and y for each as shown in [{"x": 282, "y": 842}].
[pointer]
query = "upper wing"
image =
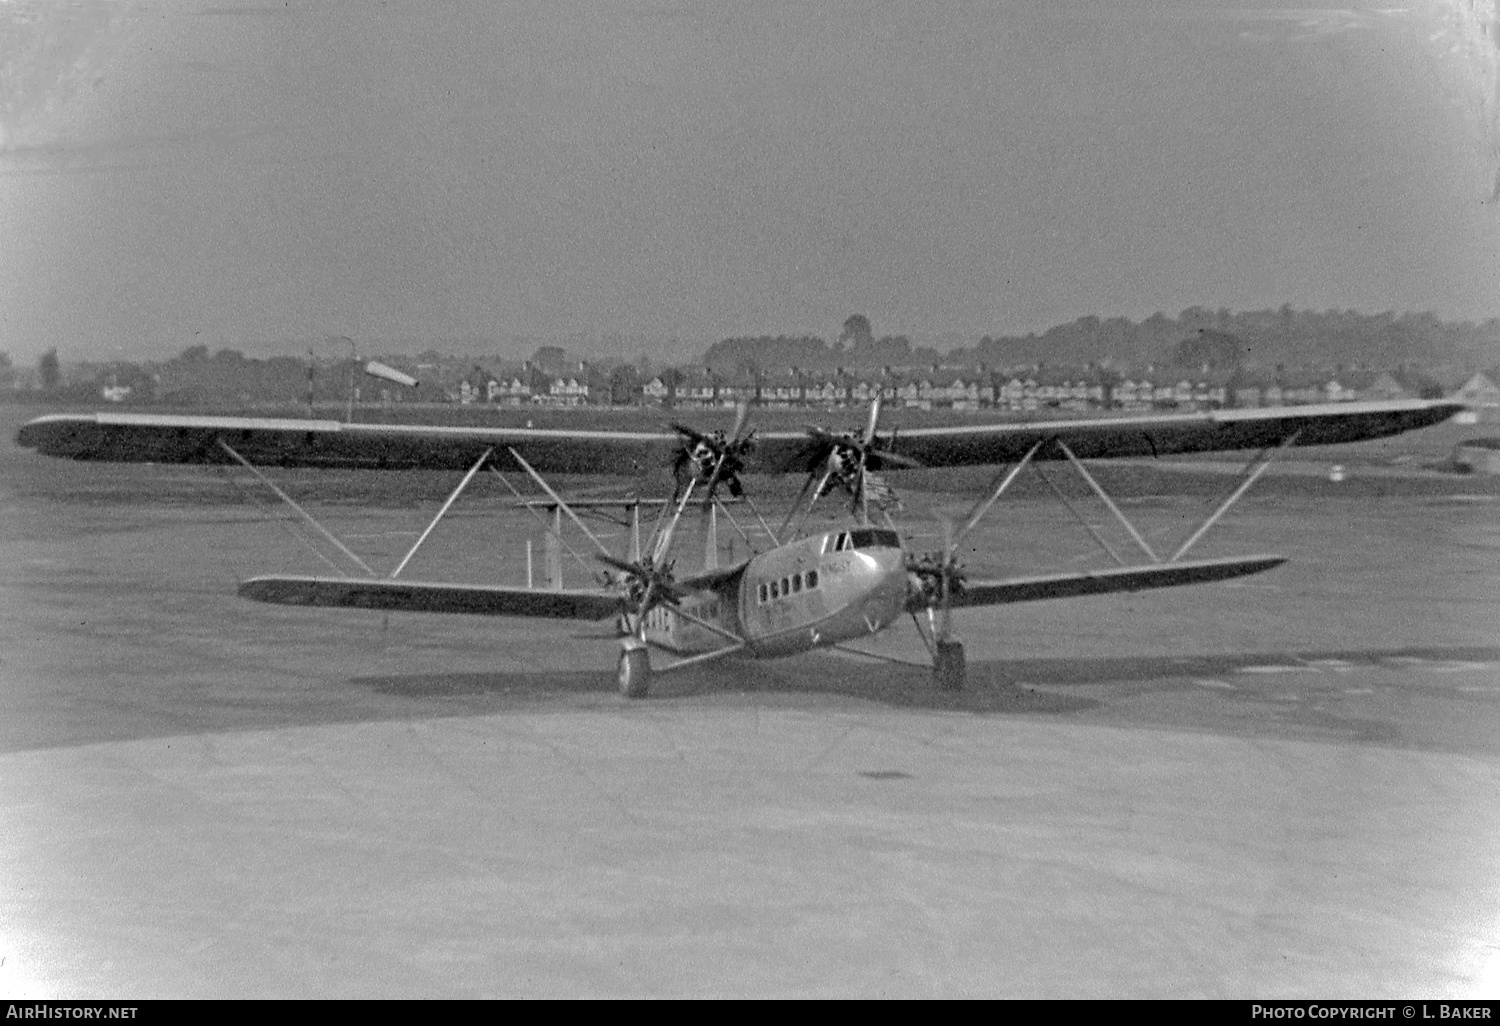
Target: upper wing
[
  {"x": 420, "y": 597},
  {"x": 157, "y": 438},
  {"x": 1162, "y": 435},
  {"x": 1100, "y": 582}
]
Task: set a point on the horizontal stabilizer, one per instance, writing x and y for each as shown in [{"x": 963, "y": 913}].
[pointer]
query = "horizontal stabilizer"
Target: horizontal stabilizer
[
  {"x": 1103, "y": 582},
  {"x": 425, "y": 597}
]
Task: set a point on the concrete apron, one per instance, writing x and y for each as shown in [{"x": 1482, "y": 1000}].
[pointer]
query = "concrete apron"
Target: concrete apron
[{"x": 727, "y": 847}]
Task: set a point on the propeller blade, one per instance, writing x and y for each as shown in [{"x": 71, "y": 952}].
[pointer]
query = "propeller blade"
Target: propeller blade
[
  {"x": 692, "y": 434},
  {"x": 713, "y": 481},
  {"x": 811, "y": 477},
  {"x": 895, "y": 459},
  {"x": 617, "y": 563},
  {"x": 741, "y": 415},
  {"x": 656, "y": 580},
  {"x": 810, "y": 455},
  {"x": 874, "y": 421}
]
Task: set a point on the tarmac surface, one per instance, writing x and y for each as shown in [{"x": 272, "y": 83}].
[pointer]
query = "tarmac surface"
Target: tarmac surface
[{"x": 1285, "y": 786}]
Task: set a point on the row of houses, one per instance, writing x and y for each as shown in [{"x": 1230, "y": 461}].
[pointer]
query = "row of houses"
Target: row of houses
[
  {"x": 961, "y": 389},
  {"x": 954, "y": 388}
]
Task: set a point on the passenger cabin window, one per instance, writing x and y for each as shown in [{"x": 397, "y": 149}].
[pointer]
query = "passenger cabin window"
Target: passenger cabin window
[
  {"x": 770, "y": 591},
  {"x": 874, "y": 538}
]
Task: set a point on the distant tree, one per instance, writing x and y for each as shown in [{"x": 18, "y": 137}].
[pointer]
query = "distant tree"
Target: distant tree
[
  {"x": 1196, "y": 317},
  {"x": 856, "y": 332},
  {"x": 727, "y": 356},
  {"x": 672, "y": 378},
  {"x": 1207, "y": 348},
  {"x": 552, "y": 359},
  {"x": 49, "y": 370},
  {"x": 749, "y": 370},
  {"x": 1109, "y": 379},
  {"x": 892, "y": 350},
  {"x": 625, "y": 385}
]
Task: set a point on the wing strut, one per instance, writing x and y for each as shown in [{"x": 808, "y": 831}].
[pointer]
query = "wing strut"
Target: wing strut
[
  {"x": 1077, "y": 515},
  {"x": 941, "y": 579},
  {"x": 1083, "y": 472},
  {"x": 449, "y": 502},
  {"x": 558, "y": 499},
  {"x": 554, "y": 531},
  {"x": 1251, "y": 473},
  {"x": 1001, "y": 484},
  {"x": 290, "y": 502}
]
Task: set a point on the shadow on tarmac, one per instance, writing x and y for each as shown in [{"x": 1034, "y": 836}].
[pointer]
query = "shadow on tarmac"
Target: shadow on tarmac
[
  {"x": 989, "y": 688},
  {"x": 993, "y": 686}
]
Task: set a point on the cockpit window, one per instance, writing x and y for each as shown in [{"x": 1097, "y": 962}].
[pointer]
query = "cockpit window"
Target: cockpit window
[{"x": 875, "y": 538}]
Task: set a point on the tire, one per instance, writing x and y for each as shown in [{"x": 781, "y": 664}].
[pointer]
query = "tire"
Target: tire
[
  {"x": 948, "y": 665},
  {"x": 634, "y": 675}
]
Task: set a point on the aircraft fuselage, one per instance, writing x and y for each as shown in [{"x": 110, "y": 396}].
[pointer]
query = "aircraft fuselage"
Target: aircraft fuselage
[{"x": 813, "y": 592}]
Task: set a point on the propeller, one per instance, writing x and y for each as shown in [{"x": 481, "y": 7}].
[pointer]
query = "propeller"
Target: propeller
[
  {"x": 714, "y": 459},
  {"x": 940, "y": 576},
  {"x": 648, "y": 584},
  {"x": 846, "y": 461}
]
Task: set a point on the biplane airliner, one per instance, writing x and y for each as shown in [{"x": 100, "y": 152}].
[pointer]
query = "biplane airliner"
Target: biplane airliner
[{"x": 804, "y": 591}]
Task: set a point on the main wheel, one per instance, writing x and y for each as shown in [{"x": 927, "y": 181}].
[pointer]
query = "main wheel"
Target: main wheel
[
  {"x": 635, "y": 671},
  {"x": 948, "y": 667}
]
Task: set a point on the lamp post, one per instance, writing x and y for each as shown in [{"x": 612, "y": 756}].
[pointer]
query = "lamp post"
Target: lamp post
[{"x": 353, "y": 365}]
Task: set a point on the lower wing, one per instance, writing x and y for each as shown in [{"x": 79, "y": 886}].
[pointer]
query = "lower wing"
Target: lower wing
[
  {"x": 1102, "y": 582},
  {"x": 424, "y": 597}
]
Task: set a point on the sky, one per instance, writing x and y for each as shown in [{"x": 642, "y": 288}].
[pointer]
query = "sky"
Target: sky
[{"x": 489, "y": 176}]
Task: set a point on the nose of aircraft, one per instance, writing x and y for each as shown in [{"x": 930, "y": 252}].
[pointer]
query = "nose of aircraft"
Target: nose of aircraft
[{"x": 887, "y": 597}]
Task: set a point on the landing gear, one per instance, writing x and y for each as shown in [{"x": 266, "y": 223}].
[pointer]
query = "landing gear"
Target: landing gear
[
  {"x": 948, "y": 667},
  {"x": 635, "y": 669}
]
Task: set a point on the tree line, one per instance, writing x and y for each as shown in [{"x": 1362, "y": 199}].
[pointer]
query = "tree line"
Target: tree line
[{"x": 1197, "y": 337}]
